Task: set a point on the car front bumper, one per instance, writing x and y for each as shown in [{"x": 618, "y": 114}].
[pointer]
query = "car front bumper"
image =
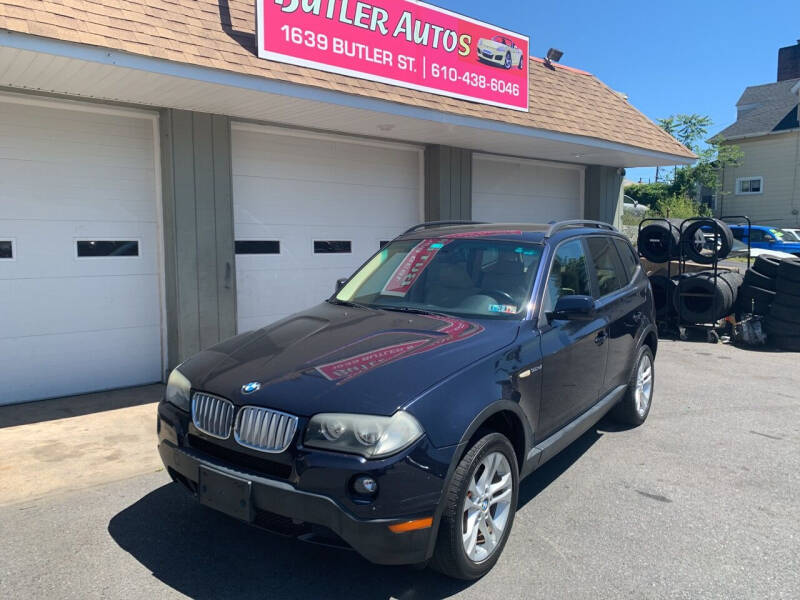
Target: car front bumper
[
  {"x": 496, "y": 59},
  {"x": 281, "y": 506}
]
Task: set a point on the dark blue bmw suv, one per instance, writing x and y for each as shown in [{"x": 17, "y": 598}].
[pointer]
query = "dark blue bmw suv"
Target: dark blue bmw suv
[{"x": 399, "y": 416}]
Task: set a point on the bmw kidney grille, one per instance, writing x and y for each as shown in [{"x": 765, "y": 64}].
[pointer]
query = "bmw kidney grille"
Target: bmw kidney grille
[{"x": 211, "y": 415}]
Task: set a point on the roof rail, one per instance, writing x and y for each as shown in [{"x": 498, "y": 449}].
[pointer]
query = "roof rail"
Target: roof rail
[
  {"x": 432, "y": 224},
  {"x": 561, "y": 225}
]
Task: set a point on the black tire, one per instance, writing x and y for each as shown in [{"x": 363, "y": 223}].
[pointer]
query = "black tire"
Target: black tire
[
  {"x": 449, "y": 556},
  {"x": 755, "y": 300},
  {"x": 754, "y": 278},
  {"x": 689, "y": 238},
  {"x": 781, "y": 328},
  {"x": 789, "y": 270},
  {"x": 509, "y": 62},
  {"x": 792, "y": 344},
  {"x": 767, "y": 266},
  {"x": 663, "y": 292},
  {"x": 521, "y": 63},
  {"x": 785, "y": 313},
  {"x": 788, "y": 301},
  {"x": 659, "y": 242},
  {"x": 786, "y": 286},
  {"x": 700, "y": 299},
  {"x": 626, "y": 412}
]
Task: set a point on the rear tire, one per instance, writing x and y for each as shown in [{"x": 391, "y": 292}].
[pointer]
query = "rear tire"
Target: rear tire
[
  {"x": 634, "y": 407},
  {"x": 463, "y": 510}
]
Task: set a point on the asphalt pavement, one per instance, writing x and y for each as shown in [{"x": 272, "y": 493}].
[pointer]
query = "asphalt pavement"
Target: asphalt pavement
[{"x": 703, "y": 501}]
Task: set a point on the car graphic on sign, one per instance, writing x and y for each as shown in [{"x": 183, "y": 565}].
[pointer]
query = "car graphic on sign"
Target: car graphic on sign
[{"x": 501, "y": 51}]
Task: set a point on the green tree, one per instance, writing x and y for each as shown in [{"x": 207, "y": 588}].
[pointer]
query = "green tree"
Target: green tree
[{"x": 677, "y": 196}]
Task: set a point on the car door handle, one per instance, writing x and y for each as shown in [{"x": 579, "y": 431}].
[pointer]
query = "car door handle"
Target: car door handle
[{"x": 601, "y": 338}]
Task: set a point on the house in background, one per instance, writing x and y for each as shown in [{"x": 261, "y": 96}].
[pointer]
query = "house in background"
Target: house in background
[{"x": 766, "y": 184}]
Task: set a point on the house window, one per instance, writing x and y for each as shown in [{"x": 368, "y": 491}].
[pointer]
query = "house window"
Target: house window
[
  {"x": 749, "y": 185},
  {"x": 258, "y": 247},
  {"x": 7, "y": 249},
  {"x": 107, "y": 248}
]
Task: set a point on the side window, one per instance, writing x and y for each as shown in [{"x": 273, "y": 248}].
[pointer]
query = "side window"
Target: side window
[
  {"x": 611, "y": 275},
  {"x": 738, "y": 233},
  {"x": 629, "y": 259},
  {"x": 756, "y": 235},
  {"x": 568, "y": 276}
]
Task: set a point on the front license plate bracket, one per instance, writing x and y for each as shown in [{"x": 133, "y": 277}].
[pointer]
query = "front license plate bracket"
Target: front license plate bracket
[{"x": 226, "y": 493}]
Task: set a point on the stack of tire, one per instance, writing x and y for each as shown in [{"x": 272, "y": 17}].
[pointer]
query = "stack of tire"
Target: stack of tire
[
  {"x": 660, "y": 242},
  {"x": 695, "y": 297},
  {"x": 705, "y": 297},
  {"x": 760, "y": 286},
  {"x": 783, "y": 320}
]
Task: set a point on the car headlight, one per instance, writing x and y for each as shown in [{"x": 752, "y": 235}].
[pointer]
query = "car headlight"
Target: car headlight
[
  {"x": 369, "y": 436},
  {"x": 178, "y": 392}
]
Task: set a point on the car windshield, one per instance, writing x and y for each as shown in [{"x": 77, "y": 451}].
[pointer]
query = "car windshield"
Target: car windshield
[{"x": 456, "y": 276}]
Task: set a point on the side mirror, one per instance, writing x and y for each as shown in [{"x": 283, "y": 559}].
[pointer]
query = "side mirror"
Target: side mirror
[
  {"x": 574, "y": 308},
  {"x": 340, "y": 283}
]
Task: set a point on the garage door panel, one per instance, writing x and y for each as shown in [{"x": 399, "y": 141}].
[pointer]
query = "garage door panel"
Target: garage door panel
[
  {"x": 331, "y": 162},
  {"x": 505, "y": 190},
  {"x": 77, "y": 324},
  {"x": 354, "y": 203},
  {"x": 50, "y": 366},
  {"x": 296, "y": 190},
  {"x": 48, "y": 249},
  {"x": 63, "y": 305}
]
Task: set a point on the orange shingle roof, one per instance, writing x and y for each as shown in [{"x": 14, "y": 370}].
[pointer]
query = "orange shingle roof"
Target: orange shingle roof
[{"x": 221, "y": 34}]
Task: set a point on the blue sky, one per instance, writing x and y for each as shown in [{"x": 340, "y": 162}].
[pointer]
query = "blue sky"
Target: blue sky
[{"x": 677, "y": 56}]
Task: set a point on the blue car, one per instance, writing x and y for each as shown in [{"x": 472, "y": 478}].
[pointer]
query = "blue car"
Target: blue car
[
  {"x": 766, "y": 238},
  {"x": 400, "y": 415}
]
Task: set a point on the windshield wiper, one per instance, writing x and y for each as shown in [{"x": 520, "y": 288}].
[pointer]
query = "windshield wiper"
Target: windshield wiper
[
  {"x": 349, "y": 304},
  {"x": 413, "y": 311}
]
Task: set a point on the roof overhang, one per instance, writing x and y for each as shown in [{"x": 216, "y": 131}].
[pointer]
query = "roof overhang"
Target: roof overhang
[{"x": 51, "y": 66}]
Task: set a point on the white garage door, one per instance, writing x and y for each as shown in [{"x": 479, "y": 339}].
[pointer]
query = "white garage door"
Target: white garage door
[
  {"x": 309, "y": 210},
  {"x": 79, "y": 269},
  {"x": 512, "y": 191}
]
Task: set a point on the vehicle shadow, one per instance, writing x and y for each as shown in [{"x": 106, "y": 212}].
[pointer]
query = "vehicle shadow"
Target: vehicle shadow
[{"x": 206, "y": 555}]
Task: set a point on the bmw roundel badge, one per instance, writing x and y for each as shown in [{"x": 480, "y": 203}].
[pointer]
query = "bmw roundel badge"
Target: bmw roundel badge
[{"x": 251, "y": 388}]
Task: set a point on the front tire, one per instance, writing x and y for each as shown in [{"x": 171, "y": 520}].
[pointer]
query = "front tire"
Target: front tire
[
  {"x": 479, "y": 510},
  {"x": 634, "y": 407},
  {"x": 508, "y": 64}
]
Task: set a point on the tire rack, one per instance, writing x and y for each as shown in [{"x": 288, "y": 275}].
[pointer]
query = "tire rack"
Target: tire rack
[{"x": 674, "y": 318}]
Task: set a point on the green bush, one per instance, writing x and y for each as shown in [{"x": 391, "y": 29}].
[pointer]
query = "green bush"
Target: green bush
[
  {"x": 678, "y": 207},
  {"x": 648, "y": 193}
]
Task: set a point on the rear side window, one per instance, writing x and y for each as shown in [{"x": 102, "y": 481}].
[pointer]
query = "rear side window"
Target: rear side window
[
  {"x": 738, "y": 233},
  {"x": 568, "y": 276},
  {"x": 611, "y": 274},
  {"x": 629, "y": 260}
]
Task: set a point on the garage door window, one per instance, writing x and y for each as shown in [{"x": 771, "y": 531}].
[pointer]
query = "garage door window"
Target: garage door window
[
  {"x": 332, "y": 247},
  {"x": 107, "y": 248},
  {"x": 6, "y": 250},
  {"x": 258, "y": 247}
]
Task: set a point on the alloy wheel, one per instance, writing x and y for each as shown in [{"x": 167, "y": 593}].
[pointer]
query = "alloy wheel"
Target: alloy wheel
[
  {"x": 644, "y": 385},
  {"x": 487, "y": 507}
]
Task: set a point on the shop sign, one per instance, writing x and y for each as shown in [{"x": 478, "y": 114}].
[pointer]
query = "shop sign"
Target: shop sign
[{"x": 399, "y": 42}]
